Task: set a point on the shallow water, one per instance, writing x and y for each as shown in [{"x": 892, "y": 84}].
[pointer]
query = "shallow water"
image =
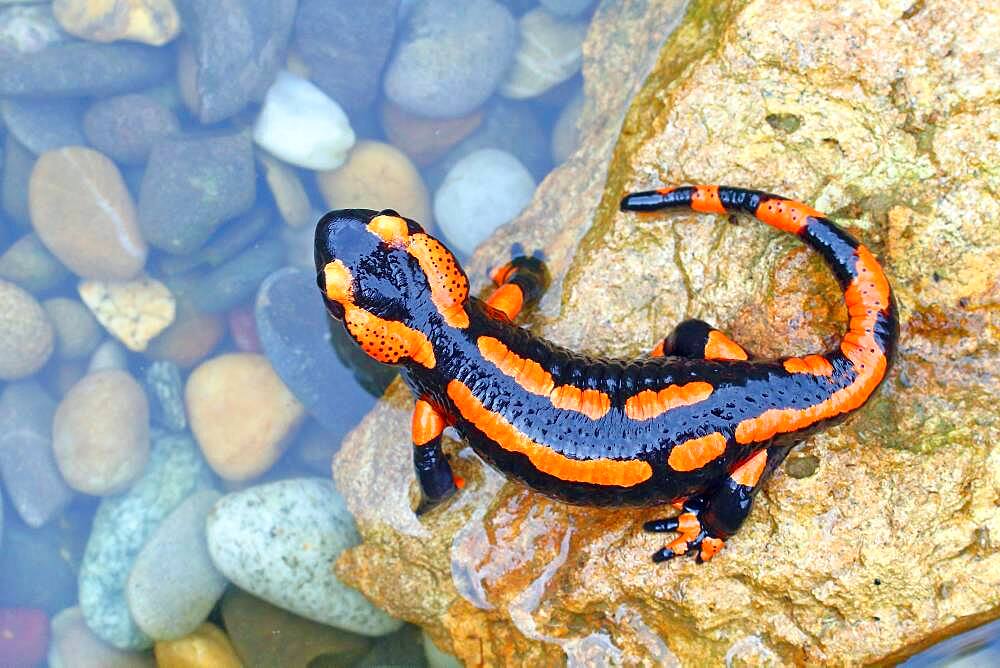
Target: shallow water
[{"x": 163, "y": 342}]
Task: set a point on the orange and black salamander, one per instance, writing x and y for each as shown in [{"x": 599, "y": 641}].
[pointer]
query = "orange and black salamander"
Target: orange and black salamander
[{"x": 698, "y": 422}]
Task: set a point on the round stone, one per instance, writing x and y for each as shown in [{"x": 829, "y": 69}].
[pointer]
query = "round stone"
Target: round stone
[
  {"x": 241, "y": 413},
  {"x": 206, "y": 647},
  {"x": 74, "y": 645},
  {"x": 83, "y": 213},
  {"x": 127, "y": 126},
  {"x": 29, "y": 264},
  {"x": 77, "y": 332},
  {"x": 484, "y": 190},
  {"x": 550, "y": 52},
  {"x": 377, "y": 176},
  {"x": 301, "y": 125},
  {"x": 26, "y": 333},
  {"x": 451, "y": 57},
  {"x": 100, "y": 433},
  {"x": 153, "y": 22}
]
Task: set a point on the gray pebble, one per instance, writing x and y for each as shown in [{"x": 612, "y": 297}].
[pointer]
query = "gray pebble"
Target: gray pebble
[
  {"x": 30, "y": 264},
  {"x": 44, "y": 125},
  {"x": 17, "y": 165},
  {"x": 567, "y": 7},
  {"x": 126, "y": 127}
]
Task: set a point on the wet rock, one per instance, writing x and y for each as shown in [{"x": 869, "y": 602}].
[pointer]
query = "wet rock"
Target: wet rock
[
  {"x": 153, "y": 22},
  {"x": 29, "y": 264},
  {"x": 286, "y": 188},
  {"x": 241, "y": 413},
  {"x": 77, "y": 332},
  {"x": 846, "y": 559},
  {"x": 190, "y": 339},
  {"x": 243, "y": 329},
  {"x": 265, "y": 635},
  {"x": 236, "y": 280},
  {"x": 173, "y": 585},
  {"x": 78, "y": 69},
  {"x": 402, "y": 648},
  {"x": 109, "y": 355},
  {"x": 425, "y": 139},
  {"x": 483, "y": 191},
  {"x": 206, "y": 647},
  {"x": 549, "y": 53},
  {"x": 565, "y": 134},
  {"x": 301, "y": 125},
  {"x": 238, "y": 46},
  {"x": 450, "y": 57},
  {"x": 347, "y": 68},
  {"x": 133, "y": 312},
  {"x": 376, "y": 176},
  {"x": 100, "y": 433},
  {"x": 233, "y": 237},
  {"x": 191, "y": 186},
  {"x": 25, "y": 29},
  {"x": 26, "y": 334},
  {"x": 17, "y": 165},
  {"x": 24, "y": 637},
  {"x": 567, "y": 7},
  {"x": 44, "y": 125},
  {"x": 34, "y": 486},
  {"x": 295, "y": 331},
  {"x": 83, "y": 213},
  {"x": 164, "y": 385},
  {"x": 75, "y": 646},
  {"x": 122, "y": 526},
  {"x": 278, "y": 540},
  {"x": 50, "y": 583},
  {"x": 436, "y": 658},
  {"x": 126, "y": 127}
]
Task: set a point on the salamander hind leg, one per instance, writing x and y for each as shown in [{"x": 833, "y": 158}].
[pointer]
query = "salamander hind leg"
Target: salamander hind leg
[
  {"x": 437, "y": 481},
  {"x": 520, "y": 283},
  {"x": 707, "y": 520},
  {"x": 696, "y": 339}
]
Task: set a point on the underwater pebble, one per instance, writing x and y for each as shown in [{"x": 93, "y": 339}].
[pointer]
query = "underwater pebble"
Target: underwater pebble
[
  {"x": 436, "y": 657},
  {"x": 279, "y": 540},
  {"x": 377, "y": 176},
  {"x": 208, "y": 646},
  {"x": 28, "y": 468},
  {"x": 241, "y": 413},
  {"x": 190, "y": 339},
  {"x": 126, "y": 127},
  {"x": 50, "y": 583},
  {"x": 109, "y": 355},
  {"x": 401, "y": 648},
  {"x": 77, "y": 332},
  {"x": 549, "y": 53},
  {"x": 100, "y": 433},
  {"x": 75, "y": 646},
  {"x": 133, "y": 311},
  {"x": 302, "y": 126},
  {"x": 27, "y": 337},
  {"x": 123, "y": 524},
  {"x": 29, "y": 264},
  {"x": 236, "y": 280},
  {"x": 287, "y": 190},
  {"x": 165, "y": 386},
  {"x": 27, "y": 28},
  {"x": 243, "y": 329},
  {"x": 83, "y": 212},
  {"x": 153, "y": 22},
  {"x": 24, "y": 637},
  {"x": 295, "y": 332},
  {"x": 43, "y": 125},
  {"x": 566, "y": 133},
  {"x": 451, "y": 57},
  {"x": 265, "y": 635},
  {"x": 14, "y": 177},
  {"x": 485, "y": 190},
  {"x": 425, "y": 139},
  {"x": 173, "y": 584},
  {"x": 178, "y": 213},
  {"x": 567, "y": 7}
]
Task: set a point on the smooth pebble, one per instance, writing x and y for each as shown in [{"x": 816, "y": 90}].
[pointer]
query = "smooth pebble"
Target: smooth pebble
[
  {"x": 153, "y": 22},
  {"x": 208, "y": 646},
  {"x": 77, "y": 332},
  {"x": 126, "y": 127},
  {"x": 27, "y": 337},
  {"x": 74, "y": 645},
  {"x": 549, "y": 53}
]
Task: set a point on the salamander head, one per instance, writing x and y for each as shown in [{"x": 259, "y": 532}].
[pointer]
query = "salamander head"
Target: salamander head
[{"x": 388, "y": 281}]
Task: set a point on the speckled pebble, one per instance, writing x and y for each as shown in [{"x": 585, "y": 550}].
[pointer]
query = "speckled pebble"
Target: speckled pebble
[
  {"x": 485, "y": 190},
  {"x": 27, "y": 337},
  {"x": 133, "y": 312},
  {"x": 173, "y": 584},
  {"x": 166, "y": 388},
  {"x": 77, "y": 332},
  {"x": 100, "y": 433},
  {"x": 123, "y": 524},
  {"x": 278, "y": 541}
]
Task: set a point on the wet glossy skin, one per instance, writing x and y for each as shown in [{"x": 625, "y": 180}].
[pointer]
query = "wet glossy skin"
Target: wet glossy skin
[{"x": 701, "y": 422}]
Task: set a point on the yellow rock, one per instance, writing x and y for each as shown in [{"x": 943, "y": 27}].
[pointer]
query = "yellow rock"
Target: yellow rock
[
  {"x": 377, "y": 176},
  {"x": 148, "y": 21},
  {"x": 205, "y": 647},
  {"x": 132, "y": 311},
  {"x": 241, "y": 413}
]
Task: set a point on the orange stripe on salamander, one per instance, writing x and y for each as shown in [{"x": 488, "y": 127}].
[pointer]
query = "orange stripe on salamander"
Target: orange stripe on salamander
[
  {"x": 750, "y": 471},
  {"x": 693, "y": 454},
  {"x": 427, "y": 423},
  {"x": 866, "y": 296},
  {"x": 508, "y": 298},
  {"x": 721, "y": 347},
  {"x": 816, "y": 365},
  {"x": 785, "y": 215},
  {"x": 706, "y": 200},
  {"x": 649, "y": 404},
  {"x": 600, "y": 471},
  {"x": 530, "y": 375}
]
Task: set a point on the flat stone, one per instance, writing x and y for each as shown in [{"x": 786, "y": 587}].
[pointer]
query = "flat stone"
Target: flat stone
[
  {"x": 153, "y": 22},
  {"x": 173, "y": 585},
  {"x": 237, "y": 47},
  {"x": 122, "y": 526},
  {"x": 278, "y": 541},
  {"x": 347, "y": 68},
  {"x": 44, "y": 125},
  {"x": 75, "y": 646},
  {"x": 450, "y": 57},
  {"x": 193, "y": 184},
  {"x": 133, "y": 311},
  {"x": 295, "y": 331},
  {"x": 126, "y": 127}
]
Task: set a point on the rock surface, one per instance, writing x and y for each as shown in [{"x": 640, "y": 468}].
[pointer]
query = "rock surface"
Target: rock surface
[{"x": 863, "y": 557}]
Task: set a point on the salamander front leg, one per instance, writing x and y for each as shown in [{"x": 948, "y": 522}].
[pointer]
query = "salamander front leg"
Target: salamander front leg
[
  {"x": 696, "y": 339},
  {"x": 707, "y": 520},
  {"x": 521, "y": 282},
  {"x": 437, "y": 481}
]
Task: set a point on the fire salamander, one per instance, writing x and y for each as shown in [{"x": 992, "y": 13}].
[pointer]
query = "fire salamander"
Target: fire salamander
[{"x": 697, "y": 423}]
